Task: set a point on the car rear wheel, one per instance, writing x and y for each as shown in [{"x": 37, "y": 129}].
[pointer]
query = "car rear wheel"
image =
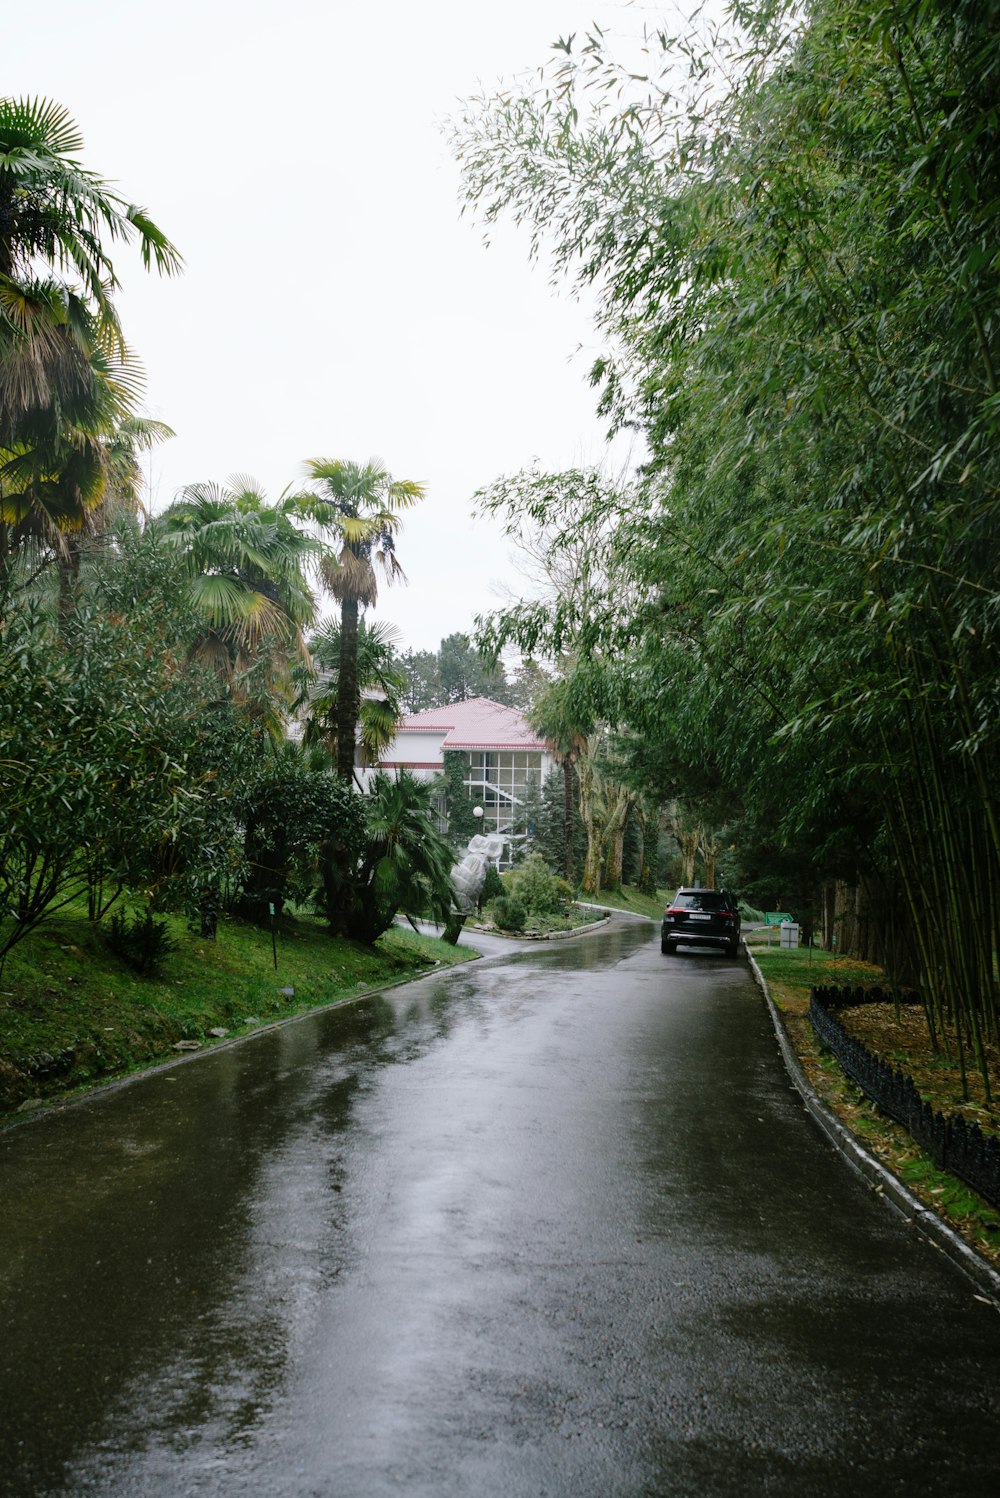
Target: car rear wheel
[
  {"x": 668, "y": 948},
  {"x": 733, "y": 947}
]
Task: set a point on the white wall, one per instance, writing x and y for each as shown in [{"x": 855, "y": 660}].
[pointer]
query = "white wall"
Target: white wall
[{"x": 416, "y": 748}]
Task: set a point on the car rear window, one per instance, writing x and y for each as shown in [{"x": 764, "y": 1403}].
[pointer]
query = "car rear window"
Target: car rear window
[{"x": 699, "y": 899}]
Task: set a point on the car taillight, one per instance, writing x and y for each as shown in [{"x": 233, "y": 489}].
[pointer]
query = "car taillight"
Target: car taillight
[{"x": 674, "y": 910}]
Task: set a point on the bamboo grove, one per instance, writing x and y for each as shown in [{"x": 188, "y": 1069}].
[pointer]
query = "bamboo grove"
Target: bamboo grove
[{"x": 797, "y": 272}]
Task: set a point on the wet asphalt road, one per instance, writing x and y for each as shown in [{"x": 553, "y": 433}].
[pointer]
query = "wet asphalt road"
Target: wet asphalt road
[{"x": 553, "y": 1225}]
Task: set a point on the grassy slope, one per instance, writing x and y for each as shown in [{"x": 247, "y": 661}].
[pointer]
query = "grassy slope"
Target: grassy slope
[
  {"x": 631, "y": 900},
  {"x": 789, "y": 976},
  {"x": 72, "y": 1015}
]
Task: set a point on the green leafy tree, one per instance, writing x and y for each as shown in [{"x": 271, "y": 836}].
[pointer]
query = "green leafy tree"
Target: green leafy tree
[
  {"x": 526, "y": 683},
  {"x": 796, "y": 281},
  {"x": 539, "y": 890},
  {"x": 119, "y": 769},
  {"x": 462, "y": 824},
  {"x": 577, "y": 531},
  {"x": 296, "y": 817},
  {"x": 526, "y": 826},
  {"x": 454, "y": 672},
  {"x": 463, "y": 673},
  {"x": 54, "y": 211},
  {"x": 550, "y": 829},
  {"x": 423, "y": 684}
]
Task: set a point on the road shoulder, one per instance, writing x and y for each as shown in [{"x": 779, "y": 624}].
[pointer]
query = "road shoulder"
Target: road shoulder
[{"x": 881, "y": 1180}]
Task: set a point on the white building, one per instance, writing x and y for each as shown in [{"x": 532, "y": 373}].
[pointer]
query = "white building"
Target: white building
[{"x": 501, "y": 754}]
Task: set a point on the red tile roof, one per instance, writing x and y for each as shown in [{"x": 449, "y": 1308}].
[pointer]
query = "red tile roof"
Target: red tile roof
[{"x": 475, "y": 724}]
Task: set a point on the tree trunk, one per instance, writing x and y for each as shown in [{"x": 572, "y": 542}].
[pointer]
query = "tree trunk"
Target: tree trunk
[
  {"x": 649, "y": 825},
  {"x": 347, "y": 689},
  {"x": 828, "y": 899},
  {"x": 569, "y": 863},
  {"x": 844, "y": 919},
  {"x": 710, "y": 853},
  {"x": 592, "y": 818},
  {"x": 688, "y": 844},
  {"x": 453, "y": 929},
  {"x": 69, "y": 580},
  {"x": 590, "y": 884},
  {"x": 618, "y": 799},
  {"x": 613, "y": 860}
]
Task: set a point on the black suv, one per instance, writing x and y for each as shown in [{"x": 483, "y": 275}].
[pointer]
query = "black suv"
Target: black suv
[{"x": 702, "y": 918}]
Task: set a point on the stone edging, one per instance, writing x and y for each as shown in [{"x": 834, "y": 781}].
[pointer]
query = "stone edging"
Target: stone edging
[
  {"x": 538, "y": 935},
  {"x": 882, "y": 1180}
]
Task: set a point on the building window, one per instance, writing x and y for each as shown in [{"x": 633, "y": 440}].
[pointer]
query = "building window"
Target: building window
[
  {"x": 439, "y": 809},
  {"x": 496, "y": 781}
]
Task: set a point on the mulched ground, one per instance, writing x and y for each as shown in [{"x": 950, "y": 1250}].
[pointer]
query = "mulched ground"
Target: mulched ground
[{"x": 903, "y": 1040}]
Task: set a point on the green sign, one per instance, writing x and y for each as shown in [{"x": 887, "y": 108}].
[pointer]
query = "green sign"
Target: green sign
[{"x": 775, "y": 917}]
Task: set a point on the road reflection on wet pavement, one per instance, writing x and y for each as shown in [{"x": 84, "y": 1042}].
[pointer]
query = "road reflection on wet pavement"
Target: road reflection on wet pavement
[{"x": 553, "y": 1224}]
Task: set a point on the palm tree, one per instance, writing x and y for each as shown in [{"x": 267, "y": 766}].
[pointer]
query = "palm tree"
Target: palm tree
[
  {"x": 66, "y": 466},
  {"x": 247, "y": 561},
  {"x": 55, "y": 212},
  {"x": 47, "y": 338},
  {"x": 52, "y": 471},
  {"x": 382, "y": 684},
  {"x": 405, "y": 868},
  {"x": 67, "y": 381},
  {"x": 359, "y": 504},
  {"x": 117, "y": 497}
]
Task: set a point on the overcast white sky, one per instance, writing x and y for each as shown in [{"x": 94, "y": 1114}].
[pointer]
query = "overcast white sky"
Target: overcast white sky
[{"x": 334, "y": 304}]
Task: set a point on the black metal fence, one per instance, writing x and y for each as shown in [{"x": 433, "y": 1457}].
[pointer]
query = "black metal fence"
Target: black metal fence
[{"x": 952, "y": 1143}]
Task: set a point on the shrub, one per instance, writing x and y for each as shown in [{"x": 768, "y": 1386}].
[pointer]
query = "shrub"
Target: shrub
[
  {"x": 295, "y": 813},
  {"x": 141, "y": 942},
  {"x": 493, "y": 886},
  {"x": 539, "y": 890},
  {"x": 404, "y": 864},
  {"x": 509, "y": 913}
]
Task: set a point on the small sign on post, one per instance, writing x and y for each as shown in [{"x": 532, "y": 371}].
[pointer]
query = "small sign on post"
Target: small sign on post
[
  {"x": 775, "y": 918},
  {"x": 274, "y": 947}
]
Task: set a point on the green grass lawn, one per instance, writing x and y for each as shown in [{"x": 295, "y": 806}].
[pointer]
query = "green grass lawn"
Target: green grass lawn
[
  {"x": 797, "y": 969},
  {"x": 72, "y": 1014}
]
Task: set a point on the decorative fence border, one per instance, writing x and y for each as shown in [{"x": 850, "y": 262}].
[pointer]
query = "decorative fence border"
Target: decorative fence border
[{"x": 953, "y": 1144}]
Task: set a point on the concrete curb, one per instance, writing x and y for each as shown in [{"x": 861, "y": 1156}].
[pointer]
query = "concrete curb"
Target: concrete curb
[
  {"x": 532, "y": 936},
  {"x": 167, "y": 1063},
  {"x": 883, "y": 1182},
  {"x": 630, "y": 915}
]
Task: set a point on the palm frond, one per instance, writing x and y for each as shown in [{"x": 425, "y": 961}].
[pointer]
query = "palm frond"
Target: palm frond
[{"x": 230, "y": 605}]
